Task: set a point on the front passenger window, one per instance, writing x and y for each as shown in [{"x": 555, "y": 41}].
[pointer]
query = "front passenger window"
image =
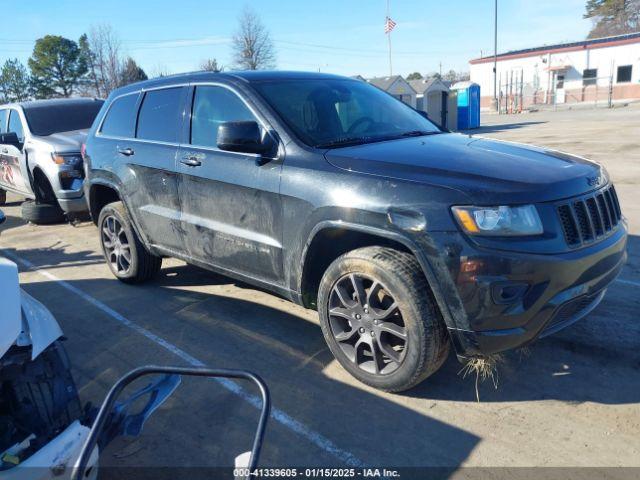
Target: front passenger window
[
  {"x": 213, "y": 106},
  {"x": 15, "y": 125}
]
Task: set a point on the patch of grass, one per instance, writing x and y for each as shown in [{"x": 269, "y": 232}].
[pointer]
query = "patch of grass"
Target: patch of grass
[{"x": 485, "y": 368}]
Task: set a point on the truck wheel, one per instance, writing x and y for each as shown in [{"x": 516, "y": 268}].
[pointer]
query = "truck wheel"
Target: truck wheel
[
  {"x": 127, "y": 258},
  {"x": 42, "y": 213},
  {"x": 380, "y": 320},
  {"x": 3, "y": 197}
]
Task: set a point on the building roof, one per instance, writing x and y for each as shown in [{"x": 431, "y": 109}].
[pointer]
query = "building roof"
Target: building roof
[
  {"x": 564, "y": 47},
  {"x": 421, "y": 86},
  {"x": 384, "y": 83}
]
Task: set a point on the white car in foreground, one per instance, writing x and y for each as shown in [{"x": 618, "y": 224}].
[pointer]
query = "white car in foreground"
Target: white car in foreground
[
  {"x": 45, "y": 433},
  {"x": 42, "y": 423}
]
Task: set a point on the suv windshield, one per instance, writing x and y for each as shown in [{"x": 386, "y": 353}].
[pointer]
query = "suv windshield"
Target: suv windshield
[
  {"x": 328, "y": 113},
  {"x": 45, "y": 120}
]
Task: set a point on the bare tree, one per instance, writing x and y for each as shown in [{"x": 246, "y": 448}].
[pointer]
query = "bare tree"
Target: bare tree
[
  {"x": 210, "y": 65},
  {"x": 252, "y": 45},
  {"x": 160, "y": 70},
  {"x": 107, "y": 58}
]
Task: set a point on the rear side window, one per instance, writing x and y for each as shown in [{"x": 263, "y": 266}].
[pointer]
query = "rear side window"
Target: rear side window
[
  {"x": 213, "y": 106},
  {"x": 159, "y": 117},
  {"x": 120, "y": 119}
]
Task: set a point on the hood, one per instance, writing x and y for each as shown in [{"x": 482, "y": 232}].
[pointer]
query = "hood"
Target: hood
[
  {"x": 64, "y": 141},
  {"x": 487, "y": 171},
  {"x": 23, "y": 320}
]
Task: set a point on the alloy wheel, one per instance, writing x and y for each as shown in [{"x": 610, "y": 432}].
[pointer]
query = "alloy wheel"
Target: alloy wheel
[
  {"x": 367, "y": 324},
  {"x": 116, "y": 245}
]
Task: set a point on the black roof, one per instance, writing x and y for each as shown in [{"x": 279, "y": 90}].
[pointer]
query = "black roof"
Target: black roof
[
  {"x": 54, "y": 102},
  {"x": 582, "y": 43},
  {"x": 249, "y": 76}
]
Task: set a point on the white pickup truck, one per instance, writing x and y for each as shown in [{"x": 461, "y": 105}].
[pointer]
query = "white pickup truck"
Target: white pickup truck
[{"x": 40, "y": 155}]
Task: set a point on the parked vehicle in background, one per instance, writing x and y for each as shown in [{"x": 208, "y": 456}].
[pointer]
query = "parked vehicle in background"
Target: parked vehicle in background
[
  {"x": 40, "y": 156},
  {"x": 333, "y": 194}
]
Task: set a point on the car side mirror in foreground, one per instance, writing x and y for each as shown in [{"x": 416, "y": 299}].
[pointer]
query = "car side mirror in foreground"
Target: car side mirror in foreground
[
  {"x": 10, "y": 138},
  {"x": 2, "y": 217},
  {"x": 243, "y": 137}
]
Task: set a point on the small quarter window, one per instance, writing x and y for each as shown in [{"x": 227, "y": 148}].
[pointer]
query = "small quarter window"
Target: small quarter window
[
  {"x": 213, "y": 106},
  {"x": 589, "y": 76},
  {"x": 159, "y": 117},
  {"x": 4, "y": 115},
  {"x": 624, "y": 73},
  {"x": 120, "y": 119},
  {"x": 15, "y": 125}
]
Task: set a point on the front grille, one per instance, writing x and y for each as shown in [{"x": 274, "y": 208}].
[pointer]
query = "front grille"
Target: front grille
[{"x": 591, "y": 218}]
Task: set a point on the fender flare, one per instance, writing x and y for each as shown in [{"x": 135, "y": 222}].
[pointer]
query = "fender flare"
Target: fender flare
[
  {"x": 112, "y": 185},
  {"x": 423, "y": 260}
]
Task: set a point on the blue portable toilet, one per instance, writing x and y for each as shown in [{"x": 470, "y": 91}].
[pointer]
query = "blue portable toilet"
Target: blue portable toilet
[{"x": 468, "y": 105}]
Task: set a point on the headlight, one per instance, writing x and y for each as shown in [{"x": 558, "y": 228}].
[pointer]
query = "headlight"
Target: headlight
[
  {"x": 72, "y": 160},
  {"x": 499, "y": 221}
]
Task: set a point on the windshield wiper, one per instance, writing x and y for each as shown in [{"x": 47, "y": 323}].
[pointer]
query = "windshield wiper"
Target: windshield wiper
[
  {"x": 418, "y": 133},
  {"x": 343, "y": 142}
]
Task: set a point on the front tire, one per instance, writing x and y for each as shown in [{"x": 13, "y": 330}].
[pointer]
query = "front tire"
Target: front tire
[
  {"x": 126, "y": 256},
  {"x": 380, "y": 320}
]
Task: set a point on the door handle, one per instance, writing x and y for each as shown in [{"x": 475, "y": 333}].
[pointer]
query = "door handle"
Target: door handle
[
  {"x": 127, "y": 152},
  {"x": 191, "y": 160}
]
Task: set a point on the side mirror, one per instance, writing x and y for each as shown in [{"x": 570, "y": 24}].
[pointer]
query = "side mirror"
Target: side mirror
[
  {"x": 2, "y": 217},
  {"x": 243, "y": 137},
  {"x": 10, "y": 138}
]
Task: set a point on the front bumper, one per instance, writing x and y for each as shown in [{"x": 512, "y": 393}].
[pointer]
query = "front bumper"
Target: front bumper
[
  {"x": 545, "y": 293},
  {"x": 73, "y": 205}
]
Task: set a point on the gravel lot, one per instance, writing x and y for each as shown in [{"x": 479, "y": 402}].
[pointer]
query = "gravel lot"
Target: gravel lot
[{"x": 573, "y": 400}]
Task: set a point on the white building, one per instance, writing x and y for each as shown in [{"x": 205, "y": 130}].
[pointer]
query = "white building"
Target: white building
[{"x": 583, "y": 71}]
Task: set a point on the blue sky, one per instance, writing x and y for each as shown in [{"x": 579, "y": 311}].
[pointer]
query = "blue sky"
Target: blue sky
[{"x": 344, "y": 37}]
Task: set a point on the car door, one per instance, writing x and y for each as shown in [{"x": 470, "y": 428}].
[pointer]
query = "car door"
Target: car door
[
  {"x": 12, "y": 157},
  {"x": 230, "y": 202},
  {"x": 152, "y": 158}
]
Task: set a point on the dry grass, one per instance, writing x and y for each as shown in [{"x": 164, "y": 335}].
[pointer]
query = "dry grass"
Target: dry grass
[{"x": 485, "y": 368}]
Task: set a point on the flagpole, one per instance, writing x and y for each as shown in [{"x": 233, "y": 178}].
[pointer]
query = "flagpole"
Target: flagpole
[{"x": 389, "y": 41}]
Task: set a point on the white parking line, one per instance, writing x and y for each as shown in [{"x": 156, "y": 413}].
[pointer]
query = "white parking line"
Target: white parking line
[
  {"x": 277, "y": 414},
  {"x": 628, "y": 282}
]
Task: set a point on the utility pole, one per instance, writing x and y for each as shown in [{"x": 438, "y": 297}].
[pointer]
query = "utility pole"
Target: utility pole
[
  {"x": 440, "y": 69},
  {"x": 495, "y": 56}
]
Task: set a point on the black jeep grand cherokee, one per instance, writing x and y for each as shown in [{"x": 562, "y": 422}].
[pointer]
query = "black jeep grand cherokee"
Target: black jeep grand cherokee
[{"x": 333, "y": 194}]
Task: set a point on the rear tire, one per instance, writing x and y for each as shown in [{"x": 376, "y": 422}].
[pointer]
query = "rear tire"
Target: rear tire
[
  {"x": 42, "y": 213},
  {"x": 391, "y": 336},
  {"x": 126, "y": 256},
  {"x": 3, "y": 197}
]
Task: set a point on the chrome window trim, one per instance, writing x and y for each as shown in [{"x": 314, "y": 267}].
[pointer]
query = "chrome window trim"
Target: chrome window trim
[
  {"x": 104, "y": 117},
  {"x": 258, "y": 117}
]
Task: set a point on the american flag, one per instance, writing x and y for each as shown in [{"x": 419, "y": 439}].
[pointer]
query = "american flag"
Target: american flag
[{"x": 389, "y": 25}]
